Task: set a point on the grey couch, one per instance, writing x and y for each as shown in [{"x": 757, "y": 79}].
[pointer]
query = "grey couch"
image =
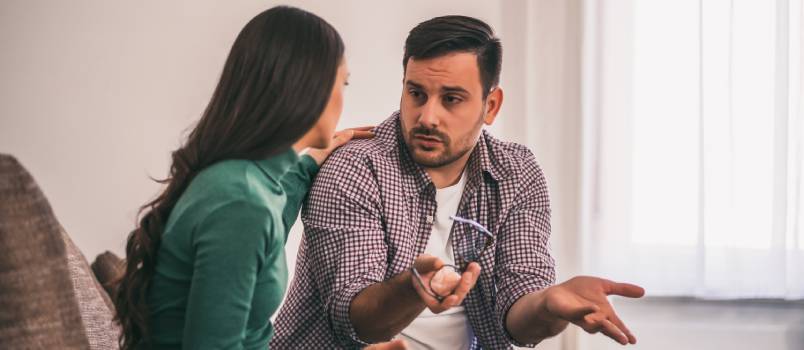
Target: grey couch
[{"x": 50, "y": 298}]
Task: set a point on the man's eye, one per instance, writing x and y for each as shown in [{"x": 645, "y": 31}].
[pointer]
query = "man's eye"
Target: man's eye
[
  {"x": 414, "y": 93},
  {"x": 452, "y": 99}
]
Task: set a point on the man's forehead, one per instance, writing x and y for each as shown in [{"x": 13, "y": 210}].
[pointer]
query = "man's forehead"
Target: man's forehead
[{"x": 455, "y": 69}]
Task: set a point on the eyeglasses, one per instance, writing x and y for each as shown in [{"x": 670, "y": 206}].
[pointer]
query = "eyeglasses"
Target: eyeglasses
[{"x": 467, "y": 251}]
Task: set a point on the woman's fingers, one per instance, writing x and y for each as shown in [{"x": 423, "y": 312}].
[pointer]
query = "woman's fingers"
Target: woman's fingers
[
  {"x": 344, "y": 136},
  {"x": 358, "y": 134}
]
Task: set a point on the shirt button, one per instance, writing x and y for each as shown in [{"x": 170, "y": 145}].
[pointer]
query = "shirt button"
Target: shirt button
[{"x": 429, "y": 219}]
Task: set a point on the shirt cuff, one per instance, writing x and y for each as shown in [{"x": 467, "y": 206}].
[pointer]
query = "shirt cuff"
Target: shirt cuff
[
  {"x": 342, "y": 326},
  {"x": 507, "y": 299}
]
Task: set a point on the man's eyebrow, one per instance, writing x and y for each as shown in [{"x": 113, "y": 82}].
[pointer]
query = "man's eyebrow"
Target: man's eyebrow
[
  {"x": 444, "y": 89},
  {"x": 457, "y": 89},
  {"x": 414, "y": 84}
]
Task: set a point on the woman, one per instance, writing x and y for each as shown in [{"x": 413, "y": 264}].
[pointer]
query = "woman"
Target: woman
[{"x": 206, "y": 265}]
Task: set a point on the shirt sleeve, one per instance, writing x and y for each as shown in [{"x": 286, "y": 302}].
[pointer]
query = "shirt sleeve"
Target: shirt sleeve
[
  {"x": 296, "y": 183},
  {"x": 523, "y": 261},
  {"x": 345, "y": 238},
  {"x": 230, "y": 246}
]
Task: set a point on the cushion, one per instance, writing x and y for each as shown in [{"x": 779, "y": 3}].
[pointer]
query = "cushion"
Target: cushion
[
  {"x": 93, "y": 302},
  {"x": 38, "y": 308}
]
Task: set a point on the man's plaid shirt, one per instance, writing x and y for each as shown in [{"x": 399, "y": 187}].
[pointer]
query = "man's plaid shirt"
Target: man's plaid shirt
[{"x": 369, "y": 215}]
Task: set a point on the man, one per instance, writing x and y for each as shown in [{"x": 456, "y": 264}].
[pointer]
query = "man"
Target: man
[{"x": 386, "y": 215}]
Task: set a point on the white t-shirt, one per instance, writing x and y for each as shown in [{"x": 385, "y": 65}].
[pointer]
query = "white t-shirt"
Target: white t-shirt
[{"x": 449, "y": 329}]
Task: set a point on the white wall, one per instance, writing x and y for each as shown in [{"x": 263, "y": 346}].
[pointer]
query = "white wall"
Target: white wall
[{"x": 94, "y": 94}]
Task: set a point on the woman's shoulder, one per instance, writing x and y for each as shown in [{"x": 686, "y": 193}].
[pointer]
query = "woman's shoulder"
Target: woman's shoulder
[
  {"x": 233, "y": 180},
  {"x": 226, "y": 184}
]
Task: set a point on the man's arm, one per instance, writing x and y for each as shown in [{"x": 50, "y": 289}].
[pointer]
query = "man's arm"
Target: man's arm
[
  {"x": 383, "y": 310},
  {"x": 345, "y": 239},
  {"x": 531, "y": 310},
  {"x": 523, "y": 264}
]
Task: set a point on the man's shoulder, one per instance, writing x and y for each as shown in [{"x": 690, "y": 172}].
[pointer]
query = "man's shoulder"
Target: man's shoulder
[
  {"x": 359, "y": 150},
  {"x": 365, "y": 151},
  {"x": 510, "y": 156}
]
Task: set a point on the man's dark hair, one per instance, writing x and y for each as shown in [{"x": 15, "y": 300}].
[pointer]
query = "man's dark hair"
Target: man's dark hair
[{"x": 448, "y": 34}]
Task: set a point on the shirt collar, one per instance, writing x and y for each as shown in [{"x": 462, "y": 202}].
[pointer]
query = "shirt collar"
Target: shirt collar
[{"x": 485, "y": 158}]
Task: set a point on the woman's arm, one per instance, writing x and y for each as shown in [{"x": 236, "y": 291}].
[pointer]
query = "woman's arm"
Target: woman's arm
[{"x": 230, "y": 246}]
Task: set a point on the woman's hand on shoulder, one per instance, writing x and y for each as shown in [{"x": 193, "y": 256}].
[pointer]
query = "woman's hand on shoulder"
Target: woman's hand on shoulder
[{"x": 339, "y": 139}]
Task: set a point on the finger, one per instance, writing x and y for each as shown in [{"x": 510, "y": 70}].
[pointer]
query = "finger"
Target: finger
[
  {"x": 594, "y": 318},
  {"x": 626, "y": 290},
  {"x": 449, "y": 302},
  {"x": 343, "y": 137},
  {"x": 431, "y": 303},
  {"x": 621, "y": 325},
  {"x": 590, "y": 326},
  {"x": 468, "y": 280},
  {"x": 427, "y": 263},
  {"x": 583, "y": 311},
  {"x": 437, "y": 307},
  {"x": 363, "y": 128},
  {"x": 610, "y": 330},
  {"x": 362, "y": 135}
]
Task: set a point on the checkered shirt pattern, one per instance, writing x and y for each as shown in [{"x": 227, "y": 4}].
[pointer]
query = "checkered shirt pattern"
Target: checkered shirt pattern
[{"x": 369, "y": 215}]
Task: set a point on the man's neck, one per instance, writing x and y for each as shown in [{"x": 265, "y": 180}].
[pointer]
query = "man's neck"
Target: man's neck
[{"x": 450, "y": 174}]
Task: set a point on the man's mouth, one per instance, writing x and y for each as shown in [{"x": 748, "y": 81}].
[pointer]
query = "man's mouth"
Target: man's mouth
[{"x": 427, "y": 141}]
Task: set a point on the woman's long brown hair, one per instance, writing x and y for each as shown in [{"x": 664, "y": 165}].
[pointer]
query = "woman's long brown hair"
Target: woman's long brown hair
[{"x": 274, "y": 86}]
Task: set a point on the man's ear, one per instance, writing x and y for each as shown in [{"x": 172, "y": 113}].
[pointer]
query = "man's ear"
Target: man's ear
[{"x": 493, "y": 103}]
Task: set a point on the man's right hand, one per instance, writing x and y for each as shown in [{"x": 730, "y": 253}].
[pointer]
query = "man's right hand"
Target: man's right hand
[
  {"x": 427, "y": 266},
  {"x": 382, "y": 310}
]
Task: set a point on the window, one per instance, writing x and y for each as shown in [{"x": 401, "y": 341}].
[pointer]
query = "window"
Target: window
[{"x": 693, "y": 142}]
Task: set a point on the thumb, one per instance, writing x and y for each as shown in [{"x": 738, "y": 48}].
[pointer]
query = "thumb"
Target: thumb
[{"x": 427, "y": 263}]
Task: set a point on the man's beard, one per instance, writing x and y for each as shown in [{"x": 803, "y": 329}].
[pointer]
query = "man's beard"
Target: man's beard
[{"x": 445, "y": 157}]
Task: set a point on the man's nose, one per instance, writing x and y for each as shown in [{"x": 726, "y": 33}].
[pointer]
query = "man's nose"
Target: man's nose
[{"x": 429, "y": 114}]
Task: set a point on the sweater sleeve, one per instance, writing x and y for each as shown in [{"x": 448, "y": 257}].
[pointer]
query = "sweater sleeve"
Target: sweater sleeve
[
  {"x": 229, "y": 247},
  {"x": 296, "y": 183}
]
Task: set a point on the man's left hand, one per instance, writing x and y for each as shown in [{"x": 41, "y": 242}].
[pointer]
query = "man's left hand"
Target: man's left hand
[{"x": 583, "y": 301}]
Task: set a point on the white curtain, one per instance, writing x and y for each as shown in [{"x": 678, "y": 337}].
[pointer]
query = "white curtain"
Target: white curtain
[{"x": 693, "y": 146}]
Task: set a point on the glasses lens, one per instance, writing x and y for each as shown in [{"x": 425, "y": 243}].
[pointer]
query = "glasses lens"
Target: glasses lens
[{"x": 474, "y": 243}]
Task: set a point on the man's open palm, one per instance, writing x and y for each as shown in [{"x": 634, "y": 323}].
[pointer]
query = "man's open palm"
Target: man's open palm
[{"x": 583, "y": 301}]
